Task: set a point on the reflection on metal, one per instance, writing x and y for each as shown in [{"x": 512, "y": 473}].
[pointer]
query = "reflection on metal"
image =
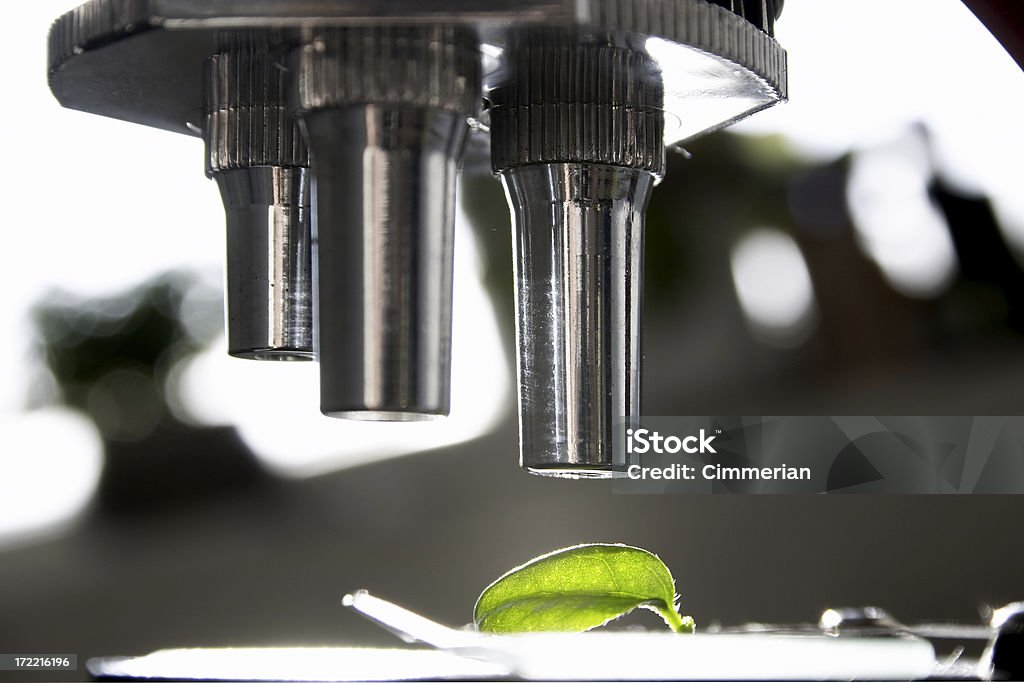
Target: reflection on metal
[
  {"x": 386, "y": 115},
  {"x": 578, "y": 261},
  {"x": 257, "y": 156},
  {"x": 581, "y": 98},
  {"x": 578, "y": 157},
  {"x": 290, "y": 437}
]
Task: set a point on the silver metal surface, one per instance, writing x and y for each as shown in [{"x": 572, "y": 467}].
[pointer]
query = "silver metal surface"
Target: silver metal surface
[
  {"x": 578, "y": 265},
  {"x": 583, "y": 96},
  {"x": 385, "y": 114},
  {"x": 578, "y": 140},
  {"x": 269, "y": 286},
  {"x": 384, "y": 195},
  {"x": 570, "y": 97},
  {"x": 255, "y": 152},
  {"x": 141, "y": 60}
]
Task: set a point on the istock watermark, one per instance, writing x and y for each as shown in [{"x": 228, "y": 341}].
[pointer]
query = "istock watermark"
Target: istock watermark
[
  {"x": 718, "y": 473},
  {"x": 819, "y": 454},
  {"x": 641, "y": 441}
]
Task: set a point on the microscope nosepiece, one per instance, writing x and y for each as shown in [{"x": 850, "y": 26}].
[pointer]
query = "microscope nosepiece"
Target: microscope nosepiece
[{"x": 335, "y": 130}]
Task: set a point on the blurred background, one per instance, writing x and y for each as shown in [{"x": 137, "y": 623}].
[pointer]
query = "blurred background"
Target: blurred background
[{"x": 856, "y": 251}]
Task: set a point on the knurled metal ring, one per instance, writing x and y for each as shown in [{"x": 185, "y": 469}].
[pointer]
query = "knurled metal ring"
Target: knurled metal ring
[
  {"x": 247, "y": 122},
  {"x": 421, "y": 66},
  {"x": 569, "y": 101}
]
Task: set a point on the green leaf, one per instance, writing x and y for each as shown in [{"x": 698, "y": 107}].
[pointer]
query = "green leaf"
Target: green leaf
[{"x": 579, "y": 588}]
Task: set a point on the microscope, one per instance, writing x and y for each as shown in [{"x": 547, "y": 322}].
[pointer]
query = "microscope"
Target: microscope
[{"x": 336, "y": 131}]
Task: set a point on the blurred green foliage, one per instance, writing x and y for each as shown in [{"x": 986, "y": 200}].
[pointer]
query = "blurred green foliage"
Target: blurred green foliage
[{"x": 112, "y": 353}]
